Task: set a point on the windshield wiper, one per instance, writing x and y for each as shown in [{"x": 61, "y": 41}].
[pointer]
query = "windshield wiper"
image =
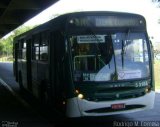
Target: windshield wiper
[
  {"x": 122, "y": 53},
  {"x": 124, "y": 47}
]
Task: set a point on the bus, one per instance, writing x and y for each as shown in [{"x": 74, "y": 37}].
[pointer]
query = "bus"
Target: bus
[{"x": 88, "y": 63}]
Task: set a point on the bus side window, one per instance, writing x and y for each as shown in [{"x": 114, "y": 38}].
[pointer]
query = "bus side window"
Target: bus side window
[
  {"x": 44, "y": 46},
  {"x": 20, "y": 49},
  {"x": 35, "y": 47}
]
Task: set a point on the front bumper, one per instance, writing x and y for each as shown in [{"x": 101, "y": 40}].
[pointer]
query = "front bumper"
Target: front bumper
[{"x": 80, "y": 107}]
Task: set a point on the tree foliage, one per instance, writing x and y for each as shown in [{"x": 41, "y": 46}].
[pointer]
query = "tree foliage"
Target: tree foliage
[
  {"x": 6, "y": 44},
  {"x": 22, "y": 29}
]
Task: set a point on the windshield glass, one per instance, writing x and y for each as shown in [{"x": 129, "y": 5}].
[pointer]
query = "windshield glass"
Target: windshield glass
[{"x": 109, "y": 57}]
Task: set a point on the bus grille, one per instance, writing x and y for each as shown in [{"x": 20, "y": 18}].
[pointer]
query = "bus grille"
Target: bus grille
[{"x": 118, "y": 95}]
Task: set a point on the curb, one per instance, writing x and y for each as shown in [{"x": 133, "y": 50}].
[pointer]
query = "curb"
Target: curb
[{"x": 14, "y": 93}]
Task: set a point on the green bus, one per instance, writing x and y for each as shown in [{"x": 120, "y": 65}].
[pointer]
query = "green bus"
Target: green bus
[{"x": 88, "y": 63}]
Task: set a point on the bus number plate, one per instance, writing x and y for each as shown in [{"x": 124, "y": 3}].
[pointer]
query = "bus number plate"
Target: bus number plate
[{"x": 118, "y": 106}]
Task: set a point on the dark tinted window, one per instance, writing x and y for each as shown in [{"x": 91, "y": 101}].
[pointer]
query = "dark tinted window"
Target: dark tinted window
[
  {"x": 44, "y": 46},
  {"x": 35, "y": 47}
]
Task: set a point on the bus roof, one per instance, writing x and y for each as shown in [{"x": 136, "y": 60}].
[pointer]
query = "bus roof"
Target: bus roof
[{"x": 61, "y": 20}]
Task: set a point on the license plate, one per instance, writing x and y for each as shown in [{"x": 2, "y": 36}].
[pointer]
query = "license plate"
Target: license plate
[{"x": 118, "y": 106}]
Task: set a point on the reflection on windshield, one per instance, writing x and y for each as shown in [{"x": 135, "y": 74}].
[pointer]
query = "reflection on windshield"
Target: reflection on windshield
[{"x": 109, "y": 57}]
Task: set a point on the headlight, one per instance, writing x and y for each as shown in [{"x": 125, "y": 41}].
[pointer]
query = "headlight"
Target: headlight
[{"x": 80, "y": 96}]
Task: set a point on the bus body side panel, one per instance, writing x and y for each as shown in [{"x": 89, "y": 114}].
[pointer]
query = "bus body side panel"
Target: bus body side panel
[
  {"x": 19, "y": 68},
  {"x": 34, "y": 71},
  {"x": 52, "y": 68},
  {"x": 15, "y": 63},
  {"x": 43, "y": 79},
  {"x": 24, "y": 73}
]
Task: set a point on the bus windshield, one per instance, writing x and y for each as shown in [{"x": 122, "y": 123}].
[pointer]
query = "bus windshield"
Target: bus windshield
[{"x": 109, "y": 57}]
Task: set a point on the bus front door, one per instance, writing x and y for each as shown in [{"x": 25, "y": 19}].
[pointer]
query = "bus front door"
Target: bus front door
[{"x": 29, "y": 74}]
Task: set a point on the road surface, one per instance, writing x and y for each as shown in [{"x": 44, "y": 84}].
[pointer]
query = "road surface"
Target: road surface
[{"x": 18, "y": 111}]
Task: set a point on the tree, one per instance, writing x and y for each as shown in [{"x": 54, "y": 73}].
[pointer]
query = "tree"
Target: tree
[
  {"x": 1, "y": 48},
  {"x": 6, "y": 44},
  {"x": 21, "y": 30}
]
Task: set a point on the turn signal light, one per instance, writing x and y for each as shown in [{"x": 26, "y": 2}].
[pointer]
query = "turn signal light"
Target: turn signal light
[
  {"x": 148, "y": 89},
  {"x": 77, "y": 91}
]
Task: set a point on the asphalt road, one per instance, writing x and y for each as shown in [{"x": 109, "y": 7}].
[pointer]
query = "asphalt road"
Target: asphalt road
[{"x": 19, "y": 111}]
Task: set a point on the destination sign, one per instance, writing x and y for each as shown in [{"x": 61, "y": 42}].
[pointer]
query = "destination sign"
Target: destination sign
[
  {"x": 91, "y": 39},
  {"x": 107, "y": 21}
]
